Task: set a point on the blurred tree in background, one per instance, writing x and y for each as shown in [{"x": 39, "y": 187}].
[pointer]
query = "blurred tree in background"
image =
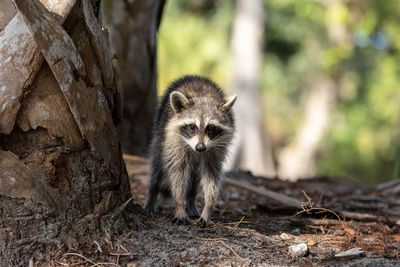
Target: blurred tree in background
[
  {"x": 133, "y": 28},
  {"x": 250, "y": 149},
  {"x": 349, "y": 48}
]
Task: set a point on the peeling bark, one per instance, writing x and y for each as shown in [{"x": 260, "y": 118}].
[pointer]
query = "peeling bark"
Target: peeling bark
[
  {"x": 18, "y": 181},
  {"x": 7, "y": 12},
  {"x": 59, "y": 8},
  {"x": 100, "y": 42},
  {"x": 60, "y": 52},
  {"x": 16, "y": 47},
  {"x": 46, "y": 107},
  {"x": 61, "y": 168},
  {"x": 20, "y": 60}
]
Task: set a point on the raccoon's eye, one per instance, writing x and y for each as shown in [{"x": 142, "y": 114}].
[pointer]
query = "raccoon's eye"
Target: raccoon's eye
[
  {"x": 192, "y": 128},
  {"x": 188, "y": 130},
  {"x": 211, "y": 129}
]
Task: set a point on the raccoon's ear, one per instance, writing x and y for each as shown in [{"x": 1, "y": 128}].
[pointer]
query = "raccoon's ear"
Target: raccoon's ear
[
  {"x": 229, "y": 103},
  {"x": 178, "y": 101}
]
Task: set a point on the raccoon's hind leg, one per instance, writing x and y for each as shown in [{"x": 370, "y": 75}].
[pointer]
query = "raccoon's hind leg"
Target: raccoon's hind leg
[
  {"x": 154, "y": 188},
  {"x": 179, "y": 183},
  {"x": 191, "y": 208}
]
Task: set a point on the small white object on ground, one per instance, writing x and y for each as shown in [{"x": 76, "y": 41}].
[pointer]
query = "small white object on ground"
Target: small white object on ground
[
  {"x": 298, "y": 250},
  {"x": 351, "y": 252},
  {"x": 285, "y": 236}
]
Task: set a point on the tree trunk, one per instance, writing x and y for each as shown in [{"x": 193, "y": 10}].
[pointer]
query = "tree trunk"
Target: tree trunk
[
  {"x": 61, "y": 168},
  {"x": 298, "y": 159},
  {"x": 251, "y": 149},
  {"x": 133, "y": 27}
]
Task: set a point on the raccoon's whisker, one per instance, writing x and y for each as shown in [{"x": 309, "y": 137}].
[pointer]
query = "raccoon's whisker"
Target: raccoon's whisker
[
  {"x": 217, "y": 148},
  {"x": 217, "y": 136},
  {"x": 222, "y": 145},
  {"x": 222, "y": 139},
  {"x": 220, "y": 149}
]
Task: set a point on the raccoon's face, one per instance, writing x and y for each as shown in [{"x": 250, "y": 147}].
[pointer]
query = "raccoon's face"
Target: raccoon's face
[
  {"x": 202, "y": 123},
  {"x": 201, "y": 136}
]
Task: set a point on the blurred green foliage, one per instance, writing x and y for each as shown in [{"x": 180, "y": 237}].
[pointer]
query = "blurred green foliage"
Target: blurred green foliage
[
  {"x": 194, "y": 39},
  {"x": 353, "y": 42}
]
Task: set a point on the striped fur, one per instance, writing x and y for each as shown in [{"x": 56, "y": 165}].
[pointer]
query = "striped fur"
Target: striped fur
[{"x": 192, "y": 130}]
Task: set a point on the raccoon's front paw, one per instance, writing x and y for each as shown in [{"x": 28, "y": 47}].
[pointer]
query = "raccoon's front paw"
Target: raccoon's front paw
[
  {"x": 203, "y": 223},
  {"x": 149, "y": 210},
  {"x": 193, "y": 213},
  {"x": 181, "y": 221}
]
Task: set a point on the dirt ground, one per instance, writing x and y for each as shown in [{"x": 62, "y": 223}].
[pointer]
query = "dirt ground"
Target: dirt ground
[{"x": 253, "y": 230}]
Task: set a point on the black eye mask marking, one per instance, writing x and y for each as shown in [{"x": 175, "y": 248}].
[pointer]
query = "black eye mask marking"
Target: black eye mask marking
[
  {"x": 188, "y": 130},
  {"x": 213, "y": 131}
]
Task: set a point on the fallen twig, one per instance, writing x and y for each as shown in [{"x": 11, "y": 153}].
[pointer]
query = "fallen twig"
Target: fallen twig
[
  {"x": 241, "y": 220},
  {"x": 386, "y": 185},
  {"x": 236, "y": 224},
  {"x": 231, "y": 249},
  {"x": 322, "y": 222},
  {"x": 90, "y": 261},
  {"x": 125, "y": 237},
  {"x": 121, "y": 253},
  {"x": 288, "y": 201},
  {"x": 359, "y": 216},
  {"x": 222, "y": 241},
  {"x": 62, "y": 263},
  {"x": 317, "y": 210},
  {"x": 98, "y": 246},
  {"x": 211, "y": 239},
  {"x": 308, "y": 207}
]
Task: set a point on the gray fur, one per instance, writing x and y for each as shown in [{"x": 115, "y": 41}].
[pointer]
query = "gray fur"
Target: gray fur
[{"x": 191, "y": 134}]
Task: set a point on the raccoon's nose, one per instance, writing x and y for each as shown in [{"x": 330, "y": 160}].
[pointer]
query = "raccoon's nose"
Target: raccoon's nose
[{"x": 200, "y": 147}]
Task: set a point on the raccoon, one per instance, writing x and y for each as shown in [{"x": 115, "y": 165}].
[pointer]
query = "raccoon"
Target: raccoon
[{"x": 192, "y": 130}]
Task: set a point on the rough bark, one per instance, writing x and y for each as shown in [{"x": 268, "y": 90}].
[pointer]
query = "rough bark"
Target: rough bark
[
  {"x": 251, "y": 149},
  {"x": 133, "y": 27},
  {"x": 61, "y": 168},
  {"x": 20, "y": 59},
  {"x": 7, "y": 12}
]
